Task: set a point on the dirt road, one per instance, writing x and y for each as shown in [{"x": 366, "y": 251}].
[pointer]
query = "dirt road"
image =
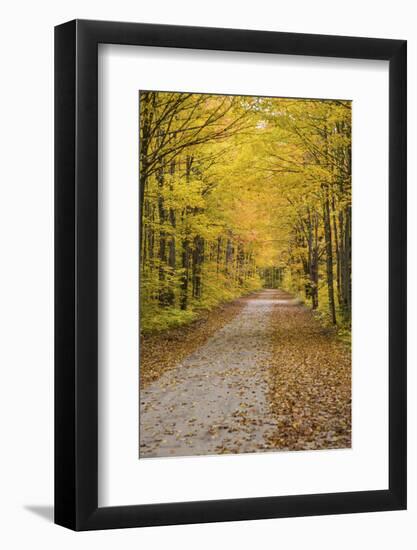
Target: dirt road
[{"x": 220, "y": 399}]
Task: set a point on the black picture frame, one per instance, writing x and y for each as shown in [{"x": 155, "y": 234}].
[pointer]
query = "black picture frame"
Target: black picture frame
[{"x": 76, "y": 272}]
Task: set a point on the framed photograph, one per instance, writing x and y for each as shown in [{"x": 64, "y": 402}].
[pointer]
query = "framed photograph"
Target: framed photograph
[{"x": 230, "y": 245}]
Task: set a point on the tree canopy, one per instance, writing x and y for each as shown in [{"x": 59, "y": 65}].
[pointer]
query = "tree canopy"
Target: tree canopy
[{"x": 239, "y": 193}]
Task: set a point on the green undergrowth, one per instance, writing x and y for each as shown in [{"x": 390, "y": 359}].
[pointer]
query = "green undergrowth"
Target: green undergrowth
[
  {"x": 157, "y": 320},
  {"x": 154, "y": 318}
]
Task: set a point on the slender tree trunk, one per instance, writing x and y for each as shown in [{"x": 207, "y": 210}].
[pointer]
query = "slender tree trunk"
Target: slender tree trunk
[
  {"x": 337, "y": 251},
  {"x": 348, "y": 268},
  {"x": 172, "y": 220},
  {"x": 219, "y": 254},
  {"x": 198, "y": 258},
  {"x": 315, "y": 262},
  {"x": 164, "y": 293},
  {"x": 185, "y": 258},
  {"x": 151, "y": 238},
  {"x": 329, "y": 257},
  {"x": 143, "y": 245},
  {"x": 185, "y": 254},
  {"x": 147, "y": 100}
]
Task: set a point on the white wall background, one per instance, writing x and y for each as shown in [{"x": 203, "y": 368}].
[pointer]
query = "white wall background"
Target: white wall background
[{"x": 26, "y": 272}]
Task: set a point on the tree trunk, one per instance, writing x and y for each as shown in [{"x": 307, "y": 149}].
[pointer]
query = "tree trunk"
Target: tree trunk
[
  {"x": 172, "y": 220},
  {"x": 198, "y": 258},
  {"x": 329, "y": 258},
  {"x": 337, "y": 250},
  {"x": 185, "y": 258},
  {"x": 185, "y": 254}
]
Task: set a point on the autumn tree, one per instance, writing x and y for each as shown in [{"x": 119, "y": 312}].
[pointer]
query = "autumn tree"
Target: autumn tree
[{"x": 241, "y": 192}]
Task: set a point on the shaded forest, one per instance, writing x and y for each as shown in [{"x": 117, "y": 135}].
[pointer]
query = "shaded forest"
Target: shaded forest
[{"x": 239, "y": 193}]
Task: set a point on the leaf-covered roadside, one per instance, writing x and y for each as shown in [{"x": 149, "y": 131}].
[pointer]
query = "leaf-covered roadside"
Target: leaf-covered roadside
[
  {"x": 310, "y": 382},
  {"x": 163, "y": 350}
]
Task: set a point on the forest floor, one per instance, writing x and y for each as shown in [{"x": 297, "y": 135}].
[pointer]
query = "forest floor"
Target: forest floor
[{"x": 259, "y": 374}]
